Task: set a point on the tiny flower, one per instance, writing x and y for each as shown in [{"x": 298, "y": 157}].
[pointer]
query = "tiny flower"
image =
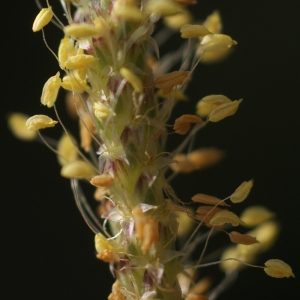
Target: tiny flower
[
  {"x": 38, "y": 122},
  {"x": 278, "y": 269},
  {"x": 50, "y": 90},
  {"x": 17, "y": 125},
  {"x": 191, "y": 31},
  {"x": 42, "y": 19}
]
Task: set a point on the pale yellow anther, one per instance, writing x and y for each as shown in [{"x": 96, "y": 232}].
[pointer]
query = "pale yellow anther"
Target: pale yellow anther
[
  {"x": 133, "y": 79},
  {"x": 74, "y": 83},
  {"x": 163, "y": 7},
  {"x": 81, "y": 30},
  {"x": 255, "y": 215},
  {"x": 223, "y": 217},
  {"x": 78, "y": 169},
  {"x": 207, "y": 199},
  {"x": 214, "y": 42},
  {"x": 244, "y": 239},
  {"x": 104, "y": 180},
  {"x": 191, "y": 31},
  {"x": 65, "y": 50},
  {"x": 224, "y": 111},
  {"x": 80, "y": 61},
  {"x": 67, "y": 150},
  {"x": 206, "y": 213},
  {"x": 278, "y": 269},
  {"x": 50, "y": 90},
  {"x": 17, "y": 125},
  {"x": 129, "y": 13},
  {"x": 101, "y": 110},
  {"x": 216, "y": 99},
  {"x": 170, "y": 80},
  {"x": 175, "y": 22},
  {"x": 42, "y": 19},
  {"x": 242, "y": 192},
  {"x": 213, "y": 22},
  {"x": 38, "y": 122}
]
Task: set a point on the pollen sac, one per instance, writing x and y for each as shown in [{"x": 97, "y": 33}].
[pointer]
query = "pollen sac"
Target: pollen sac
[
  {"x": 78, "y": 169},
  {"x": 213, "y": 22},
  {"x": 183, "y": 123},
  {"x": 74, "y": 83},
  {"x": 206, "y": 199},
  {"x": 80, "y": 61},
  {"x": 134, "y": 80},
  {"x": 214, "y": 42},
  {"x": 86, "y": 128},
  {"x": 224, "y": 111},
  {"x": 38, "y": 122},
  {"x": 223, "y": 217},
  {"x": 242, "y": 192},
  {"x": 191, "y": 31},
  {"x": 104, "y": 180},
  {"x": 206, "y": 213},
  {"x": 104, "y": 248},
  {"x": 216, "y": 99},
  {"x": 163, "y": 7},
  {"x": 65, "y": 50},
  {"x": 81, "y": 30},
  {"x": 67, "y": 150},
  {"x": 50, "y": 90},
  {"x": 278, "y": 269},
  {"x": 17, "y": 125},
  {"x": 255, "y": 215},
  {"x": 244, "y": 239},
  {"x": 42, "y": 19},
  {"x": 170, "y": 80}
]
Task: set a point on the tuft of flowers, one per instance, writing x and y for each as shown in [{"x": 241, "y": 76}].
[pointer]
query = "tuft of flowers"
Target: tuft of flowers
[{"x": 123, "y": 97}]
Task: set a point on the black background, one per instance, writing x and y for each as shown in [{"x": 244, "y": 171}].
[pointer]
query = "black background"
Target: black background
[{"x": 49, "y": 251}]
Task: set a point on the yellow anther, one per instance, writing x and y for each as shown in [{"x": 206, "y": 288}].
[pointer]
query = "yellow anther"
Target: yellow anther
[
  {"x": 242, "y": 192},
  {"x": 65, "y": 50},
  {"x": 81, "y": 30},
  {"x": 38, "y": 122},
  {"x": 78, "y": 169},
  {"x": 80, "y": 61},
  {"x": 42, "y": 19},
  {"x": 74, "y": 83},
  {"x": 67, "y": 150},
  {"x": 278, "y": 269},
  {"x": 224, "y": 110},
  {"x": 17, "y": 125},
  {"x": 133, "y": 79},
  {"x": 163, "y": 7},
  {"x": 190, "y": 31},
  {"x": 50, "y": 90},
  {"x": 213, "y": 42}
]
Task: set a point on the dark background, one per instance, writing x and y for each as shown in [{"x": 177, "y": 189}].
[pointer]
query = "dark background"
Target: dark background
[{"x": 49, "y": 251}]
